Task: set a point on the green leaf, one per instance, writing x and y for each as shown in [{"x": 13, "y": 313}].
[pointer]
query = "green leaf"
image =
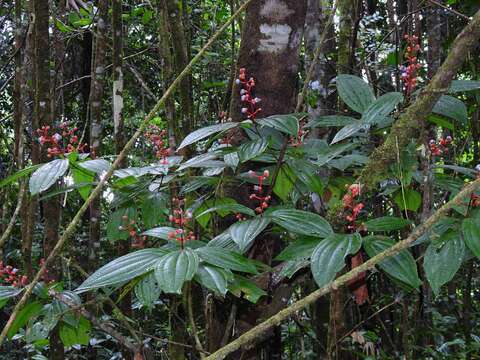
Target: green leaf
[
  {"x": 159, "y": 232},
  {"x": 82, "y": 178},
  {"x": 348, "y": 131},
  {"x": 226, "y": 259},
  {"x": 332, "y": 121},
  {"x": 287, "y": 124},
  {"x": 386, "y": 223},
  {"x": 147, "y": 290},
  {"x": 355, "y": 92},
  {"x": 301, "y": 248},
  {"x": 29, "y": 312},
  {"x": 284, "y": 182},
  {"x": 116, "y": 221},
  {"x": 451, "y": 107},
  {"x": 153, "y": 208},
  {"x": 328, "y": 257},
  {"x": 79, "y": 335},
  {"x": 174, "y": 268},
  {"x": 21, "y": 173},
  {"x": 214, "y": 278},
  {"x": 202, "y": 133},
  {"x": 123, "y": 269},
  {"x": 471, "y": 235},
  {"x": 252, "y": 149},
  {"x": 463, "y": 85},
  {"x": 441, "y": 264},
  {"x": 7, "y": 292},
  {"x": 242, "y": 285},
  {"x": 227, "y": 209},
  {"x": 97, "y": 166},
  {"x": 47, "y": 175},
  {"x": 412, "y": 200},
  {"x": 401, "y": 266},
  {"x": 381, "y": 107},
  {"x": 244, "y": 233},
  {"x": 301, "y": 222},
  {"x": 207, "y": 160}
]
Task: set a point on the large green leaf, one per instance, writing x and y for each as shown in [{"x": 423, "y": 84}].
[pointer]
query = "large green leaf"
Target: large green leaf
[
  {"x": 154, "y": 209},
  {"x": 451, "y": 107},
  {"x": 401, "y": 266},
  {"x": 202, "y": 133},
  {"x": 301, "y": 248},
  {"x": 214, "y": 278},
  {"x": 252, "y": 149},
  {"x": 244, "y": 232},
  {"x": 47, "y": 175},
  {"x": 208, "y": 160},
  {"x": 97, "y": 166},
  {"x": 228, "y": 208},
  {"x": 243, "y": 287},
  {"x": 7, "y": 292},
  {"x": 29, "y": 312},
  {"x": 284, "y": 182},
  {"x": 301, "y": 222},
  {"x": 78, "y": 335},
  {"x": 381, "y": 107},
  {"x": 84, "y": 180},
  {"x": 287, "y": 124},
  {"x": 147, "y": 290},
  {"x": 226, "y": 259},
  {"x": 348, "y": 131},
  {"x": 174, "y": 268},
  {"x": 332, "y": 121},
  {"x": 355, "y": 92},
  {"x": 441, "y": 264},
  {"x": 123, "y": 269},
  {"x": 463, "y": 85},
  {"x": 116, "y": 224},
  {"x": 328, "y": 257},
  {"x": 409, "y": 199},
  {"x": 471, "y": 235},
  {"x": 159, "y": 232},
  {"x": 386, "y": 223}
]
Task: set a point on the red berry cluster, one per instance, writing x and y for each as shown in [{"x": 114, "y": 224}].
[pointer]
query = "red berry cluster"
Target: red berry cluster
[
  {"x": 130, "y": 227},
  {"x": 159, "y": 139},
  {"x": 440, "y": 148},
  {"x": 257, "y": 195},
  {"x": 350, "y": 206},
  {"x": 298, "y": 140},
  {"x": 250, "y": 102},
  {"x": 57, "y": 141},
  {"x": 180, "y": 218},
  {"x": 10, "y": 276},
  {"x": 409, "y": 72}
]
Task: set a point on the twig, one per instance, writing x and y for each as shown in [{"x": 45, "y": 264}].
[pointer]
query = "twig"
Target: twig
[
  {"x": 98, "y": 189},
  {"x": 13, "y": 219},
  {"x": 191, "y": 319},
  {"x": 453, "y": 11}
]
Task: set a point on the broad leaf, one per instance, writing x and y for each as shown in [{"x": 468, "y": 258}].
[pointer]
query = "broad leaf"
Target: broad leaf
[
  {"x": 328, "y": 257},
  {"x": 228, "y": 208},
  {"x": 208, "y": 160},
  {"x": 147, "y": 290},
  {"x": 355, "y": 92},
  {"x": 284, "y": 182},
  {"x": 78, "y": 335},
  {"x": 301, "y": 222},
  {"x": 116, "y": 223},
  {"x": 244, "y": 232},
  {"x": 287, "y": 124},
  {"x": 47, "y": 175},
  {"x": 97, "y": 166},
  {"x": 348, "y": 131},
  {"x": 401, "y": 266},
  {"x": 332, "y": 121},
  {"x": 381, "y": 107},
  {"x": 7, "y": 292},
  {"x": 19, "y": 174},
  {"x": 386, "y": 223},
  {"x": 214, "y": 278},
  {"x": 463, "y": 85},
  {"x": 29, "y": 312},
  {"x": 202, "y": 133},
  {"x": 159, "y": 232},
  {"x": 442, "y": 264},
  {"x": 123, "y": 269},
  {"x": 409, "y": 199},
  {"x": 241, "y": 286},
  {"x": 252, "y": 149},
  {"x": 451, "y": 107},
  {"x": 226, "y": 259},
  {"x": 301, "y": 248},
  {"x": 84, "y": 178},
  {"x": 174, "y": 268},
  {"x": 471, "y": 235},
  {"x": 154, "y": 208}
]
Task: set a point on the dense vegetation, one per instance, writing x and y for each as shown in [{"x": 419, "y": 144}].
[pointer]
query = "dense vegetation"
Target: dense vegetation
[{"x": 268, "y": 179}]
